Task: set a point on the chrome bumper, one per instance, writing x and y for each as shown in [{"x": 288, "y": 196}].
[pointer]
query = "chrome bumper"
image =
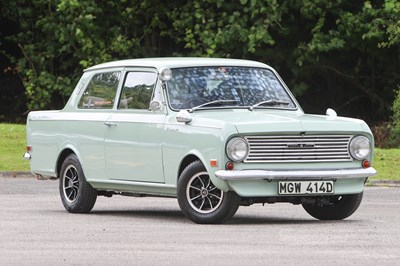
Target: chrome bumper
[{"x": 295, "y": 174}]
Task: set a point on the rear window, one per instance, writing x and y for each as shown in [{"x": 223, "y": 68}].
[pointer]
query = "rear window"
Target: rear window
[{"x": 100, "y": 92}]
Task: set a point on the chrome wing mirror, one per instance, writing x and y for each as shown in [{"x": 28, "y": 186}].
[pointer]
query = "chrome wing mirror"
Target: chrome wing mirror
[{"x": 184, "y": 116}]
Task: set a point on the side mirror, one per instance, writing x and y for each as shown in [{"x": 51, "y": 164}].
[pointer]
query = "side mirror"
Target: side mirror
[
  {"x": 330, "y": 112},
  {"x": 165, "y": 74},
  {"x": 184, "y": 116},
  {"x": 155, "y": 106}
]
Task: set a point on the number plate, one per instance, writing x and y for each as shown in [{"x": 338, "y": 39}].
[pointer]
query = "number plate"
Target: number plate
[{"x": 305, "y": 187}]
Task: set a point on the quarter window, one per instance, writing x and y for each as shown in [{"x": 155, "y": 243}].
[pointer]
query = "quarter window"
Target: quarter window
[
  {"x": 137, "y": 90},
  {"x": 100, "y": 92}
]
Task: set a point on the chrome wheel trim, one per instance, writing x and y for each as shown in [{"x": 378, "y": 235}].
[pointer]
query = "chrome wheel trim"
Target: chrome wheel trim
[
  {"x": 70, "y": 184},
  {"x": 202, "y": 195}
]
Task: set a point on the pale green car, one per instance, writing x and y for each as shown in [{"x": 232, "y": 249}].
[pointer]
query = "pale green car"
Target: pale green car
[{"x": 215, "y": 133}]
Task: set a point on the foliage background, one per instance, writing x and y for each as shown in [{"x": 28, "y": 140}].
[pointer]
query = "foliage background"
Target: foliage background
[{"x": 332, "y": 53}]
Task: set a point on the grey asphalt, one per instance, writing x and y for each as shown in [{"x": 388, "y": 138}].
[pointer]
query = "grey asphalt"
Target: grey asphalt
[{"x": 36, "y": 230}]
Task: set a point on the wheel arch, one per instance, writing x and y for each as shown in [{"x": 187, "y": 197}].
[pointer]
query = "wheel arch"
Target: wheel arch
[
  {"x": 194, "y": 156},
  {"x": 190, "y": 158},
  {"x": 61, "y": 158}
]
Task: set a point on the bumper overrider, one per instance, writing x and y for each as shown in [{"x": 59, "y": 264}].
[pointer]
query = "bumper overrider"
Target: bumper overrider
[{"x": 295, "y": 174}]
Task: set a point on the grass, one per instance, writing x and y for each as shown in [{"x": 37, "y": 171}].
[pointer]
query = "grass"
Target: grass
[
  {"x": 387, "y": 164},
  {"x": 13, "y": 146}
]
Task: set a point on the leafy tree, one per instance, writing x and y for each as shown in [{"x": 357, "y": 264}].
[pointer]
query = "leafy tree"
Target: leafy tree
[
  {"x": 333, "y": 53},
  {"x": 59, "y": 38},
  {"x": 350, "y": 49},
  {"x": 214, "y": 28},
  {"x": 395, "y": 130}
]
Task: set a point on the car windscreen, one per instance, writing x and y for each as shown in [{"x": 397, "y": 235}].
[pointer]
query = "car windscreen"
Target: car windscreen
[{"x": 232, "y": 87}]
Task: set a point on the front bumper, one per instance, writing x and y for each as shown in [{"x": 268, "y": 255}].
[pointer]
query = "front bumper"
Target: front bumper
[{"x": 271, "y": 175}]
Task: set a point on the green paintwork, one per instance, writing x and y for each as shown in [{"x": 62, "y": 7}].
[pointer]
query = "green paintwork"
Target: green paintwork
[
  {"x": 263, "y": 188},
  {"x": 142, "y": 151}
]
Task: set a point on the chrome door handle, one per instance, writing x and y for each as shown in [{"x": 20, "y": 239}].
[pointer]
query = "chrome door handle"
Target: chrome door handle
[{"x": 110, "y": 124}]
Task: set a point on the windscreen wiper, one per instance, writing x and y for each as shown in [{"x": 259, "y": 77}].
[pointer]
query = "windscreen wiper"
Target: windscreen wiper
[
  {"x": 268, "y": 103},
  {"x": 216, "y": 102}
]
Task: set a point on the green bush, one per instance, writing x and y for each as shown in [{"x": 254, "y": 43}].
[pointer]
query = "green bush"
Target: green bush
[
  {"x": 395, "y": 130},
  {"x": 330, "y": 52}
]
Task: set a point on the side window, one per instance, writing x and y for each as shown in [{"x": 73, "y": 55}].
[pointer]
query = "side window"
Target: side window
[
  {"x": 100, "y": 92},
  {"x": 137, "y": 90}
]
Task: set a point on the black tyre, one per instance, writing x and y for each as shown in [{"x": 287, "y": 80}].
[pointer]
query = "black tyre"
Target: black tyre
[
  {"x": 77, "y": 195},
  {"x": 340, "y": 207},
  {"x": 200, "y": 200}
]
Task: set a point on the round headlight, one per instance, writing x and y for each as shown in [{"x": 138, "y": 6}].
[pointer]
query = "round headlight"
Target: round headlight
[
  {"x": 360, "y": 147},
  {"x": 237, "y": 149}
]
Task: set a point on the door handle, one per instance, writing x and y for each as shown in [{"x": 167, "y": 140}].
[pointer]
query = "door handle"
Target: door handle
[{"x": 110, "y": 124}]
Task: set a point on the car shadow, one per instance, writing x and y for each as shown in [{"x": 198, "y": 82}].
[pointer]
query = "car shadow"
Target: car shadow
[
  {"x": 145, "y": 214},
  {"x": 247, "y": 220},
  {"x": 238, "y": 219}
]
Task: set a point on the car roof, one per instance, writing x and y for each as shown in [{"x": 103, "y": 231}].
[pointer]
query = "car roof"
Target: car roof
[{"x": 178, "y": 62}]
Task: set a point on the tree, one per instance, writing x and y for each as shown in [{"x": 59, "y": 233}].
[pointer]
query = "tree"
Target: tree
[
  {"x": 350, "y": 48},
  {"x": 332, "y": 53},
  {"x": 58, "y": 39}
]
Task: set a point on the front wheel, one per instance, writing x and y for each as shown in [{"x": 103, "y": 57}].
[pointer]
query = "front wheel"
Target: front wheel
[
  {"x": 200, "y": 200},
  {"x": 338, "y": 207},
  {"x": 77, "y": 195}
]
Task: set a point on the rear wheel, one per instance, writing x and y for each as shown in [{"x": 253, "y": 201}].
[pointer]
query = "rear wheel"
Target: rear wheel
[
  {"x": 77, "y": 195},
  {"x": 338, "y": 208},
  {"x": 200, "y": 200}
]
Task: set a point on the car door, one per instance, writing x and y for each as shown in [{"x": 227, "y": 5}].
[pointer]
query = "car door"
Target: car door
[
  {"x": 133, "y": 139},
  {"x": 85, "y": 127}
]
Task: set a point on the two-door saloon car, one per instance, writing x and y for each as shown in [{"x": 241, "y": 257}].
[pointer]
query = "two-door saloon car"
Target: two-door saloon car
[{"x": 215, "y": 133}]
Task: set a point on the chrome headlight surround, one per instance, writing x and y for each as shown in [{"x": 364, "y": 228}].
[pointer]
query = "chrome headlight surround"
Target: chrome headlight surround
[
  {"x": 237, "y": 149},
  {"x": 360, "y": 147}
]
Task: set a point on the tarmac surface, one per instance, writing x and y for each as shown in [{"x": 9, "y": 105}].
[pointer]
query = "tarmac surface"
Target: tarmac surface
[{"x": 36, "y": 230}]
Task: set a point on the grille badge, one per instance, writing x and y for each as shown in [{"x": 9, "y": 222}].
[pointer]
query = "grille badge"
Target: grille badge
[{"x": 300, "y": 145}]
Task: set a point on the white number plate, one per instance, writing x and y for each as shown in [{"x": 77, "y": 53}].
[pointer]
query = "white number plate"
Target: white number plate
[{"x": 305, "y": 187}]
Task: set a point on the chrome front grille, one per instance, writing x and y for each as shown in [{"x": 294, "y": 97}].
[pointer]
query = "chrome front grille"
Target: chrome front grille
[{"x": 308, "y": 148}]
